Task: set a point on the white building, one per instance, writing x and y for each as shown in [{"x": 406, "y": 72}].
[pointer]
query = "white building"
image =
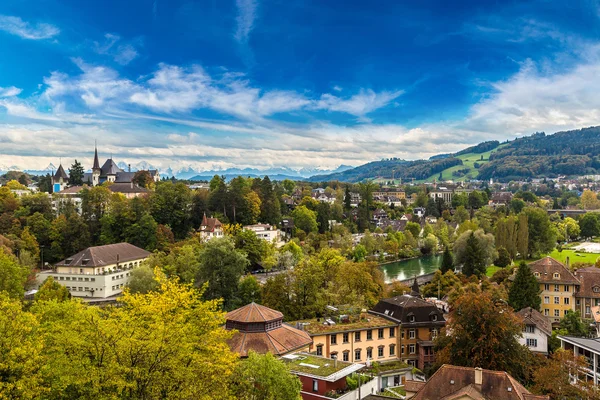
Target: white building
[
  {"x": 267, "y": 232},
  {"x": 536, "y": 330},
  {"x": 211, "y": 228},
  {"x": 97, "y": 272},
  {"x": 588, "y": 348}
]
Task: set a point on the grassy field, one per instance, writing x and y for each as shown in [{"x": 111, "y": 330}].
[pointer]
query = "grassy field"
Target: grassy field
[
  {"x": 574, "y": 256},
  {"x": 492, "y": 270},
  {"x": 469, "y": 161}
]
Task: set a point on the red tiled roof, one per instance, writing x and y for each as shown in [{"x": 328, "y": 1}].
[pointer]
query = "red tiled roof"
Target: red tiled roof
[
  {"x": 279, "y": 341},
  {"x": 590, "y": 279},
  {"x": 548, "y": 266},
  {"x": 253, "y": 313}
]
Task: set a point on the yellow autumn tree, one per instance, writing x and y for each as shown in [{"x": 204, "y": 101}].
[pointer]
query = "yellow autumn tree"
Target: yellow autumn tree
[
  {"x": 167, "y": 344},
  {"x": 20, "y": 352}
]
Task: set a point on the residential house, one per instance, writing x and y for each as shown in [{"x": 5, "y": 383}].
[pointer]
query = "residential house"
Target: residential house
[
  {"x": 211, "y": 228},
  {"x": 97, "y": 272},
  {"x": 419, "y": 322},
  {"x": 588, "y": 295},
  {"x": 465, "y": 383},
  {"x": 588, "y": 348},
  {"x": 267, "y": 232},
  {"x": 379, "y": 214},
  {"x": 419, "y": 211},
  {"x": 557, "y": 285},
  {"x": 359, "y": 338},
  {"x": 500, "y": 199},
  {"x": 537, "y": 329},
  {"x": 261, "y": 329}
]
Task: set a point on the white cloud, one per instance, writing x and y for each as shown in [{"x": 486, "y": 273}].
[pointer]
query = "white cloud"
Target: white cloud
[
  {"x": 25, "y": 30},
  {"x": 10, "y": 91},
  {"x": 360, "y": 104},
  {"x": 122, "y": 53},
  {"x": 245, "y": 19}
]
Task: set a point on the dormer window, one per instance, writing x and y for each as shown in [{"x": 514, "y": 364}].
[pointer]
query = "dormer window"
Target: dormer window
[
  {"x": 596, "y": 289},
  {"x": 434, "y": 317},
  {"x": 556, "y": 275},
  {"x": 536, "y": 274},
  {"x": 411, "y": 318}
]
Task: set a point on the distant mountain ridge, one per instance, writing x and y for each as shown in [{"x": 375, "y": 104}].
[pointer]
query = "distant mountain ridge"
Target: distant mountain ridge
[{"x": 575, "y": 152}]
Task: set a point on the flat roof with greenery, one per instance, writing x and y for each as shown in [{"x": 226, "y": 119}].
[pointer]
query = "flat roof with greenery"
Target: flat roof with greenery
[
  {"x": 362, "y": 322},
  {"x": 308, "y": 364}
]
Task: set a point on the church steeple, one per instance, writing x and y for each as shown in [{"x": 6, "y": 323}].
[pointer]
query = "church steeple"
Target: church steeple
[
  {"x": 96, "y": 162},
  {"x": 415, "y": 289}
]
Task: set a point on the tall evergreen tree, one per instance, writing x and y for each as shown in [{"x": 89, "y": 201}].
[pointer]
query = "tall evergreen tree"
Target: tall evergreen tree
[
  {"x": 447, "y": 262},
  {"x": 347, "y": 199},
  {"x": 523, "y": 236},
  {"x": 525, "y": 289},
  {"x": 474, "y": 259},
  {"x": 76, "y": 174}
]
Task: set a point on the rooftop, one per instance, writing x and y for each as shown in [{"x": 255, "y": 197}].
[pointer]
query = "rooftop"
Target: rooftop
[
  {"x": 109, "y": 254},
  {"x": 362, "y": 322},
  {"x": 324, "y": 368}
]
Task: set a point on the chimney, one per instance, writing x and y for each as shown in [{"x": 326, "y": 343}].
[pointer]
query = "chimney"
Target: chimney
[
  {"x": 129, "y": 167},
  {"x": 478, "y": 376}
]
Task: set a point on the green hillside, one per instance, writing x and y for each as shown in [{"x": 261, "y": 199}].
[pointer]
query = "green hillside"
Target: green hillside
[{"x": 469, "y": 160}]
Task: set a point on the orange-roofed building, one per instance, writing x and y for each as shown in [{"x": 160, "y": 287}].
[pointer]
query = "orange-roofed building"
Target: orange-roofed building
[{"x": 262, "y": 330}]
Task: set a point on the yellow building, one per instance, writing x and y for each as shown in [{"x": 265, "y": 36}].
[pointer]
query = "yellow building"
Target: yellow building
[
  {"x": 558, "y": 287},
  {"x": 391, "y": 192},
  {"x": 357, "y": 339}
]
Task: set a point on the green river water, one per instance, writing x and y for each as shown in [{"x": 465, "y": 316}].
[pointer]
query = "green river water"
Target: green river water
[{"x": 406, "y": 269}]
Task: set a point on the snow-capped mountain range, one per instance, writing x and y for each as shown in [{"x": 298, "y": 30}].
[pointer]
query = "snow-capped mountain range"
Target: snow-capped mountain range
[{"x": 197, "y": 174}]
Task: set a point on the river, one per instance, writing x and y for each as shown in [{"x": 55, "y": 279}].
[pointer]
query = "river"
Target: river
[{"x": 406, "y": 269}]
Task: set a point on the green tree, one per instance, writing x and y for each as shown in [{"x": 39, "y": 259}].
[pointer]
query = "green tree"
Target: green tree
[
  {"x": 52, "y": 291},
  {"x": 474, "y": 250},
  {"x": 264, "y": 377},
  {"x": 347, "y": 199},
  {"x": 270, "y": 209},
  {"x": 589, "y": 225},
  {"x": 523, "y": 236},
  {"x": 573, "y": 324},
  {"x": 248, "y": 291},
  {"x": 255, "y": 248},
  {"x": 170, "y": 205},
  {"x": 360, "y": 253},
  {"x": 76, "y": 174},
  {"x": 143, "y": 179},
  {"x": 143, "y": 233},
  {"x": 460, "y": 215},
  {"x": 447, "y": 261},
  {"x": 503, "y": 259},
  {"x": 142, "y": 280},
  {"x": 221, "y": 266},
  {"x": 305, "y": 219},
  {"x": 12, "y": 276},
  {"x": 525, "y": 289},
  {"x": 542, "y": 234},
  {"x": 413, "y": 228}
]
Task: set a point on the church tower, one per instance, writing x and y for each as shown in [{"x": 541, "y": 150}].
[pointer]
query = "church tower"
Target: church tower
[{"x": 96, "y": 170}]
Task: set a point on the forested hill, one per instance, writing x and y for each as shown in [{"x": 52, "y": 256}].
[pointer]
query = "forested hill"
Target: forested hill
[
  {"x": 400, "y": 169},
  {"x": 574, "y": 152}
]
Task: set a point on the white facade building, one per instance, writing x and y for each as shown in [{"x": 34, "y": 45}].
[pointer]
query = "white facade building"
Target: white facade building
[
  {"x": 267, "y": 232},
  {"x": 97, "y": 272},
  {"x": 588, "y": 348},
  {"x": 536, "y": 330}
]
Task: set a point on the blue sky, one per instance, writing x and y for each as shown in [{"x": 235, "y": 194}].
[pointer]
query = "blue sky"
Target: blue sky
[{"x": 302, "y": 84}]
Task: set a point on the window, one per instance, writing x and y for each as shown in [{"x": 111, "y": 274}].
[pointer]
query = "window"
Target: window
[
  {"x": 315, "y": 385},
  {"x": 319, "y": 349},
  {"x": 596, "y": 289},
  {"x": 345, "y": 337},
  {"x": 392, "y": 332},
  {"x": 565, "y": 312},
  {"x": 536, "y": 274},
  {"x": 434, "y": 317},
  {"x": 547, "y": 287},
  {"x": 392, "y": 350},
  {"x": 357, "y": 355},
  {"x": 546, "y": 299},
  {"x": 566, "y": 288},
  {"x": 357, "y": 336},
  {"x": 546, "y": 312},
  {"x": 578, "y": 302},
  {"x": 556, "y": 300},
  {"x": 333, "y": 339},
  {"x": 93, "y": 279},
  {"x": 402, "y": 349},
  {"x": 411, "y": 348},
  {"x": 557, "y": 313},
  {"x": 529, "y": 328},
  {"x": 380, "y": 333},
  {"x": 380, "y": 351},
  {"x": 334, "y": 355},
  {"x": 588, "y": 310},
  {"x": 557, "y": 288},
  {"x": 531, "y": 342},
  {"x": 370, "y": 353},
  {"x": 346, "y": 356},
  {"x": 411, "y": 334},
  {"x": 61, "y": 278},
  {"x": 81, "y": 270},
  {"x": 556, "y": 275},
  {"x": 566, "y": 300},
  {"x": 369, "y": 335},
  {"x": 80, "y": 289},
  {"x": 433, "y": 332},
  {"x": 402, "y": 333},
  {"x": 86, "y": 279},
  {"x": 411, "y": 318}
]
